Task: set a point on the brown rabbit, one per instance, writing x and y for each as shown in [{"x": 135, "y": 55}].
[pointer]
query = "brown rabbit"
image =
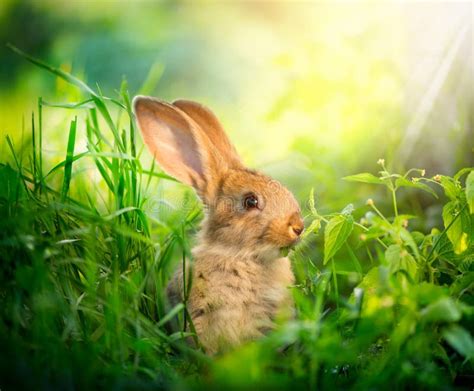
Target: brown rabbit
[{"x": 240, "y": 281}]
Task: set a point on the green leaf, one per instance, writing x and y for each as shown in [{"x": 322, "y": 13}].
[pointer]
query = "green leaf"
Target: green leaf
[
  {"x": 427, "y": 293},
  {"x": 365, "y": 177},
  {"x": 404, "y": 182},
  {"x": 451, "y": 188},
  {"x": 370, "y": 281},
  {"x": 462, "y": 172},
  {"x": 454, "y": 219},
  {"x": 443, "y": 310},
  {"x": 467, "y": 265},
  {"x": 405, "y": 235},
  {"x": 337, "y": 231},
  {"x": 399, "y": 258},
  {"x": 464, "y": 283},
  {"x": 460, "y": 339},
  {"x": 470, "y": 191},
  {"x": 375, "y": 280}
]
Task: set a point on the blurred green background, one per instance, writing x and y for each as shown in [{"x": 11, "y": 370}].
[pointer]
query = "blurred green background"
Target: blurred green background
[{"x": 309, "y": 92}]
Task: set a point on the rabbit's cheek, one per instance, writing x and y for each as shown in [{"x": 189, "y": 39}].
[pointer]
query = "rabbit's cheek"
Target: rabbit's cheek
[{"x": 278, "y": 233}]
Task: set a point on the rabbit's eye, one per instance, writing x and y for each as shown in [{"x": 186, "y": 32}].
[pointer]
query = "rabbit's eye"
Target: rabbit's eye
[{"x": 250, "y": 201}]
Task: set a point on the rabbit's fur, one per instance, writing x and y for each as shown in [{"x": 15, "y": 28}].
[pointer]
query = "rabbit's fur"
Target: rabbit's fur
[{"x": 240, "y": 282}]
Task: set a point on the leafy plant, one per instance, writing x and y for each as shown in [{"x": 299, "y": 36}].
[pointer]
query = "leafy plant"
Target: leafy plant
[{"x": 413, "y": 306}]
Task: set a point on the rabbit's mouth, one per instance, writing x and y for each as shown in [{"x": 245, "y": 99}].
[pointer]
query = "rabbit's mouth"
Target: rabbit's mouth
[
  {"x": 290, "y": 246},
  {"x": 286, "y": 249}
]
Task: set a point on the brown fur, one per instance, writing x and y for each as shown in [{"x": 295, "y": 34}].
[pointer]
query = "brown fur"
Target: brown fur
[{"x": 240, "y": 283}]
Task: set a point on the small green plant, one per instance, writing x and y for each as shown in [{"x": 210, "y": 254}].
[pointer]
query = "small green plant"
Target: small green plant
[{"x": 408, "y": 319}]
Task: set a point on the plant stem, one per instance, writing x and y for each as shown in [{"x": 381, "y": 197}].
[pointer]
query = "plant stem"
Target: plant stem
[
  {"x": 185, "y": 293},
  {"x": 366, "y": 229},
  {"x": 334, "y": 276},
  {"x": 394, "y": 200}
]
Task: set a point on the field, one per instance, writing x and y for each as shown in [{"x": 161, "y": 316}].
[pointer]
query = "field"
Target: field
[{"x": 92, "y": 232}]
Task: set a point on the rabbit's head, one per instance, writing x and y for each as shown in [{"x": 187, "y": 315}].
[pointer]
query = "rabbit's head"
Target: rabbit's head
[{"x": 245, "y": 208}]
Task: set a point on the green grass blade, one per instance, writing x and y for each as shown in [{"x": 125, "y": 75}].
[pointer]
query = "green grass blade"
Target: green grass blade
[
  {"x": 63, "y": 163},
  {"x": 152, "y": 79},
  {"x": 40, "y": 140},
  {"x": 108, "y": 119},
  {"x": 17, "y": 162},
  {"x": 33, "y": 141},
  {"x": 133, "y": 148},
  {"x": 69, "y": 159},
  {"x": 85, "y": 104},
  {"x": 56, "y": 71},
  {"x": 171, "y": 314}
]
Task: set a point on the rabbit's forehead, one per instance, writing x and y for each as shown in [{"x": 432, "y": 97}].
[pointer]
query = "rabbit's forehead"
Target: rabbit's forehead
[
  {"x": 238, "y": 182},
  {"x": 243, "y": 180}
]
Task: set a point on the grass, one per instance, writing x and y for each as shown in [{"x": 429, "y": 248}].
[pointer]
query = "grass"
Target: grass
[{"x": 87, "y": 249}]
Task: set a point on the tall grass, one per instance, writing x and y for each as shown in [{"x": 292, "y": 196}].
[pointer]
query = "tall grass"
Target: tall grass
[
  {"x": 85, "y": 264},
  {"x": 79, "y": 279}
]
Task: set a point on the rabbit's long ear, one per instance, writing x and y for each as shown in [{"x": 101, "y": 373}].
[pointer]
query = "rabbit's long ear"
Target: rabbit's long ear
[
  {"x": 178, "y": 144},
  {"x": 209, "y": 123}
]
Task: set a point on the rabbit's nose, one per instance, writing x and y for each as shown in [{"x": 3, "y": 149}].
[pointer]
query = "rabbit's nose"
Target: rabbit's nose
[
  {"x": 297, "y": 225},
  {"x": 297, "y": 230}
]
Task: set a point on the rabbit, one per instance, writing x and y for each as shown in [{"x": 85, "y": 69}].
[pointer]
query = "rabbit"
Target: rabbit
[{"x": 240, "y": 282}]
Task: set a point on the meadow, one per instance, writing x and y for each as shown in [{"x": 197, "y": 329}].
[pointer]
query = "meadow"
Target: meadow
[{"x": 91, "y": 234}]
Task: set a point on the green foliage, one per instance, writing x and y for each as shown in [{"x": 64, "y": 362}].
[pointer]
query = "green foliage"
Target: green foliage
[
  {"x": 86, "y": 259},
  {"x": 470, "y": 191},
  {"x": 337, "y": 231},
  {"x": 461, "y": 340}
]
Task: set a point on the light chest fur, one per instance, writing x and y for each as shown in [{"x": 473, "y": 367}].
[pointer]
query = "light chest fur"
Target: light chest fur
[{"x": 235, "y": 297}]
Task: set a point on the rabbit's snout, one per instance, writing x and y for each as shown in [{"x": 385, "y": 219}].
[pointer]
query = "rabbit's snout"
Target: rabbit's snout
[
  {"x": 296, "y": 225},
  {"x": 297, "y": 230}
]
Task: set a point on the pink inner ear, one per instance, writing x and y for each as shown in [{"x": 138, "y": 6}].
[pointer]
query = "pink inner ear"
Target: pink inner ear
[
  {"x": 181, "y": 146},
  {"x": 171, "y": 140}
]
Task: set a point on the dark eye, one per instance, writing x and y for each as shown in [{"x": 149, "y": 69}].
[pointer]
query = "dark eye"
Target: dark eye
[{"x": 250, "y": 201}]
